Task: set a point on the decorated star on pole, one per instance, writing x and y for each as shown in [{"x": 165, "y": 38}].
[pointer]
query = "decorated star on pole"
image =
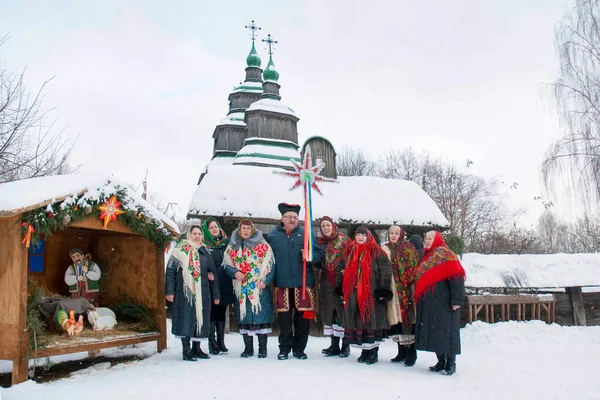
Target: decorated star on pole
[
  {"x": 305, "y": 173},
  {"x": 307, "y": 176},
  {"x": 111, "y": 209}
]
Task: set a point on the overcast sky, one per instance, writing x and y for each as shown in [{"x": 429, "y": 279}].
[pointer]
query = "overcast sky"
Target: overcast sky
[{"x": 142, "y": 83}]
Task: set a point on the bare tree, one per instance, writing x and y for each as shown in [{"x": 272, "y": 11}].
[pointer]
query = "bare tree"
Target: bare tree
[
  {"x": 584, "y": 234},
  {"x": 552, "y": 234},
  {"x": 29, "y": 147},
  {"x": 354, "y": 162},
  {"x": 575, "y": 158}
]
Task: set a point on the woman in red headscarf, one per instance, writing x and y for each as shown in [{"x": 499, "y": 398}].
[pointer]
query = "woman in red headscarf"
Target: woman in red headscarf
[
  {"x": 439, "y": 294},
  {"x": 401, "y": 311},
  {"x": 363, "y": 280},
  {"x": 331, "y": 307}
]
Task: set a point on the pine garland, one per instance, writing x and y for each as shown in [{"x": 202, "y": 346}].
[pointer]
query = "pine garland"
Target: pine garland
[
  {"x": 47, "y": 220},
  {"x": 36, "y": 324}
]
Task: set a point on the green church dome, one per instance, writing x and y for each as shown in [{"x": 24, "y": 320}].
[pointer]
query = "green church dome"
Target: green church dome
[
  {"x": 253, "y": 60},
  {"x": 270, "y": 73}
]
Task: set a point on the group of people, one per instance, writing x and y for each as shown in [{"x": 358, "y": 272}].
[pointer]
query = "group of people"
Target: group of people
[{"x": 408, "y": 290}]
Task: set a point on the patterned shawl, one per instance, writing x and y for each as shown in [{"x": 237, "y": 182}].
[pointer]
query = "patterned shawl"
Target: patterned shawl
[
  {"x": 209, "y": 240},
  {"x": 438, "y": 264},
  {"x": 187, "y": 253},
  {"x": 254, "y": 258},
  {"x": 405, "y": 259},
  {"x": 358, "y": 273},
  {"x": 334, "y": 248}
]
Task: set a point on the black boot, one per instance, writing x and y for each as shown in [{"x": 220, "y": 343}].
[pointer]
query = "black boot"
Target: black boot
[
  {"x": 221, "y": 337},
  {"x": 411, "y": 355},
  {"x": 186, "y": 351},
  {"x": 249, "y": 349},
  {"x": 334, "y": 348},
  {"x": 441, "y": 364},
  {"x": 198, "y": 353},
  {"x": 363, "y": 356},
  {"x": 401, "y": 354},
  {"x": 262, "y": 346},
  {"x": 450, "y": 368},
  {"x": 345, "y": 351},
  {"x": 213, "y": 348},
  {"x": 373, "y": 356}
]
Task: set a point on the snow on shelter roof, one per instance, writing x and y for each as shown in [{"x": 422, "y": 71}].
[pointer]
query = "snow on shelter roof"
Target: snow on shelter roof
[
  {"x": 27, "y": 194},
  {"x": 255, "y": 192},
  {"x": 531, "y": 270}
]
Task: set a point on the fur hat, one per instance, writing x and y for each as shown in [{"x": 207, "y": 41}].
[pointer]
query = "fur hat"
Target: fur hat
[{"x": 285, "y": 207}]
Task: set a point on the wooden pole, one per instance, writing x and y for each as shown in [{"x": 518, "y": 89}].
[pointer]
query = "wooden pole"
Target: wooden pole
[
  {"x": 161, "y": 320},
  {"x": 576, "y": 296}
]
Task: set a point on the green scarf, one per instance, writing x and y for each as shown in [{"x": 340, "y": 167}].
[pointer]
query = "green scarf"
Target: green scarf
[{"x": 210, "y": 241}]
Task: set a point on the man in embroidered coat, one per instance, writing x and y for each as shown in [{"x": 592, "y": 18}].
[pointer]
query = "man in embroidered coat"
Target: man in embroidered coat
[
  {"x": 287, "y": 241},
  {"x": 83, "y": 277}
]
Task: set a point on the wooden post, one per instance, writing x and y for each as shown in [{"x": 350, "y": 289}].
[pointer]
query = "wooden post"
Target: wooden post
[
  {"x": 470, "y": 310},
  {"x": 14, "y": 255},
  {"x": 576, "y": 296},
  {"x": 161, "y": 320}
]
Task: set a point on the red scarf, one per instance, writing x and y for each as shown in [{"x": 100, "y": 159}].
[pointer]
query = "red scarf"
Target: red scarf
[
  {"x": 405, "y": 260},
  {"x": 439, "y": 264},
  {"x": 335, "y": 245},
  {"x": 358, "y": 272}
]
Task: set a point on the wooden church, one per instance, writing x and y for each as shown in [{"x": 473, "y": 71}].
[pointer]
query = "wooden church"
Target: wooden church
[{"x": 259, "y": 136}]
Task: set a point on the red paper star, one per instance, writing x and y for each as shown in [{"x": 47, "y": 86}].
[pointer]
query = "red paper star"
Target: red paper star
[
  {"x": 110, "y": 210},
  {"x": 305, "y": 173}
]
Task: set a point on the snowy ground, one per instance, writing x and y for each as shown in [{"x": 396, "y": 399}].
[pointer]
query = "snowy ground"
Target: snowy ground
[{"x": 513, "y": 360}]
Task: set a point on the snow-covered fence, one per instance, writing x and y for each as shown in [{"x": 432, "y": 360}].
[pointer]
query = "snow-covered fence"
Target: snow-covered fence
[{"x": 563, "y": 275}]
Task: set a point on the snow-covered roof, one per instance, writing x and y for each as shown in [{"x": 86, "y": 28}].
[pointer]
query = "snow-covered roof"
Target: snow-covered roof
[
  {"x": 531, "y": 270},
  {"x": 267, "y": 152},
  {"x": 236, "y": 118},
  {"x": 249, "y": 86},
  {"x": 248, "y": 191},
  {"x": 27, "y": 194},
  {"x": 271, "y": 105}
]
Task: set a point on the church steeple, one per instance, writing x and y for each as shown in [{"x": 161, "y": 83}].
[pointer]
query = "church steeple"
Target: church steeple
[
  {"x": 270, "y": 75},
  {"x": 229, "y": 134}
]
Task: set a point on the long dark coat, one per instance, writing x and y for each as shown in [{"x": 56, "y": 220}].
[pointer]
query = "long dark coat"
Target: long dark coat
[
  {"x": 184, "y": 313},
  {"x": 328, "y": 302},
  {"x": 225, "y": 284},
  {"x": 381, "y": 278},
  {"x": 438, "y": 327}
]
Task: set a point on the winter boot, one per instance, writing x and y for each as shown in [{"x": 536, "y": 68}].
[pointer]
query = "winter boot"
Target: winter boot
[
  {"x": 186, "y": 351},
  {"x": 401, "y": 354},
  {"x": 441, "y": 364},
  {"x": 334, "y": 348},
  {"x": 363, "y": 356},
  {"x": 249, "y": 349},
  {"x": 373, "y": 356},
  {"x": 450, "y": 368},
  {"x": 411, "y": 355},
  {"x": 262, "y": 346},
  {"x": 221, "y": 337},
  {"x": 213, "y": 348},
  {"x": 345, "y": 351},
  {"x": 197, "y": 351}
]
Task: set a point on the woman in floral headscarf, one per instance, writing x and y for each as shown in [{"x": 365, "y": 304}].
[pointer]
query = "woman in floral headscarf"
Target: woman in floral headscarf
[
  {"x": 216, "y": 241},
  {"x": 249, "y": 259},
  {"x": 363, "y": 280},
  {"x": 330, "y": 306},
  {"x": 439, "y": 294},
  {"x": 401, "y": 310},
  {"x": 192, "y": 294}
]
